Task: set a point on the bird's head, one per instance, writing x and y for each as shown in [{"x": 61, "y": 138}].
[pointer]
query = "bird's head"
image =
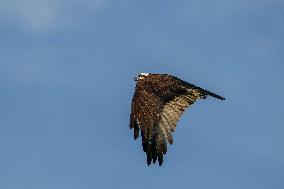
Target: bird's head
[{"x": 141, "y": 76}]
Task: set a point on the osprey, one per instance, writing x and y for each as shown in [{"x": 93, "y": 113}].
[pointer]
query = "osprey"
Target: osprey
[{"x": 157, "y": 105}]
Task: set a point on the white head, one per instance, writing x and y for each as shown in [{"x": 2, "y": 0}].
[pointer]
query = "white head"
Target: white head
[{"x": 141, "y": 76}]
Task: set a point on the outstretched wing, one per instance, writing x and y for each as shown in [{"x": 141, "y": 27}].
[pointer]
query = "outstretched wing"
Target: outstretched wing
[{"x": 157, "y": 105}]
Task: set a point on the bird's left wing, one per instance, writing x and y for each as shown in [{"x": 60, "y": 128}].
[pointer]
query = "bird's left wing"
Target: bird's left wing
[{"x": 145, "y": 109}]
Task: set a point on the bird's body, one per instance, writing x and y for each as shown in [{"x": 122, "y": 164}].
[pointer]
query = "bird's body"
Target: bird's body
[{"x": 157, "y": 105}]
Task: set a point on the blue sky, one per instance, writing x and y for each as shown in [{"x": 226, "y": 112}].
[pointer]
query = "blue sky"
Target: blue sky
[{"x": 66, "y": 82}]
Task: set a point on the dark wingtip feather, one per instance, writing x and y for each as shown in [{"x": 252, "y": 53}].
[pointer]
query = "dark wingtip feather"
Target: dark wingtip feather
[
  {"x": 217, "y": 96},
  {"x": 144, "y": 142},
  {"x": 155, "y": 159},
  {"x": 165, "y": 148},
  {"x": 136, "y": 130},
  {"x": 160, "y": 159},
  {"x": 212, "y": 94},
  {"x": 160, "y": 156},
  {"x": 149, "y": 153},
  {"x": 149, "y": 161},
  {"x": 154, "y": 150},
  {"x": 144, "y": 147},
  {"x": 136, "y": 134}
]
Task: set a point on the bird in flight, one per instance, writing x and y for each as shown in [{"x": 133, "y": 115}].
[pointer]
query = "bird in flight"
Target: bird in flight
[{"x": 157, "y": 105}]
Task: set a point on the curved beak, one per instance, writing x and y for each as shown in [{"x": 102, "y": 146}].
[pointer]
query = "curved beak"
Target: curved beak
[{"x": 136, "y": 78}]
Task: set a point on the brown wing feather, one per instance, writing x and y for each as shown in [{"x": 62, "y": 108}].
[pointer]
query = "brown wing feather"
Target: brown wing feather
[{"x": 157, "y": 105}]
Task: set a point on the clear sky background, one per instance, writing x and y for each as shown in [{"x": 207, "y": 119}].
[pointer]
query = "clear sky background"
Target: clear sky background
[{"x": 66, "y": 83}]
